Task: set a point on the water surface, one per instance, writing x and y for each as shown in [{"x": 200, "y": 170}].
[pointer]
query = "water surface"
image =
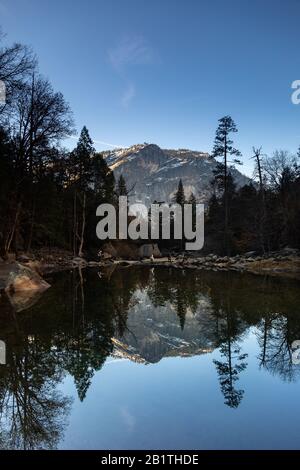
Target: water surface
[{"x": 152, "y": 359}]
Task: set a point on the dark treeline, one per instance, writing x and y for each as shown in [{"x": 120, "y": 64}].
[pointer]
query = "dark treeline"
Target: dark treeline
[
  {"x": 262, "y": 216},
  {"x": 48, "y": 195}
]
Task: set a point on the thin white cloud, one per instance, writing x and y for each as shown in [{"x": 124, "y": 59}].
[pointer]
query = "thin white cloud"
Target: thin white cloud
[
  {"x": 128, "y": 95},
  {"x": 130, "y": 51},
  {"x": 99, "y": 142}
]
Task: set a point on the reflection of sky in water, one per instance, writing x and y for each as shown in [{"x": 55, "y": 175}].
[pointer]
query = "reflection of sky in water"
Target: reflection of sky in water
[
  {"x": 156, "y": 359},
  {"x": 177, "y": 403}
]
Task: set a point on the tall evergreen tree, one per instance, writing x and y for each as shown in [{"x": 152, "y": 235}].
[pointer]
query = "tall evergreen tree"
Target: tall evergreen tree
[
  {"x": 121, "y": 187},
  {"x": 103, "y": 180},
  {"x": 192, "y": 200},
  {"x": 180, "y": 199},
  {"x": 179, "y": 195},
  {"x": 223, "y": 148},
  {"x": 83, "y": 179},
  {"x": 83, "y": 160}
]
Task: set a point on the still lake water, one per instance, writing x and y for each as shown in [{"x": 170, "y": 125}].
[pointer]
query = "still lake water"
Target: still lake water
[{"x": 153, "y": 359}]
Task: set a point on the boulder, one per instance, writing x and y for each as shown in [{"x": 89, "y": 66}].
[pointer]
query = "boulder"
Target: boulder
[
  {"x": 22, "y": 300},
  {"x": 17, "y": 277},
  {"x": 22, "y": 285}
]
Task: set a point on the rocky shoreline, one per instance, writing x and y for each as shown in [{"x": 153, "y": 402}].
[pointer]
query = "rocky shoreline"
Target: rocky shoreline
[
  {"x": 281, "y": 263},
  {"x": 285, "y": 264},
  {"x": 27, "y": 271}
]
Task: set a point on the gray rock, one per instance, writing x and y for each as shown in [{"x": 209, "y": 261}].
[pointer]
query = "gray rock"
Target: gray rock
[{"x": 154, "y": 172}]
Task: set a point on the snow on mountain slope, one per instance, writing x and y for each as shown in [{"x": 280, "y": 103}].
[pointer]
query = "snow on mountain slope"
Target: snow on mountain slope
[{"x": 154, "y": 173}]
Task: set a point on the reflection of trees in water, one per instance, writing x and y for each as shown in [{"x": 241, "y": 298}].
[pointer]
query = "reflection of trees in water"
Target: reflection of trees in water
[
  {"x": 79, "y": 316},
  {"x": 237, "y": 303},
  {"x": 100, "y": 309},
  {"x": 230, "y": 327},
  {"x": 276, "y": 334},
  {"x": 33, "y": 414},
  {"x": 229, "y": 370},
  {"x": 278, "y": 325},
  {"x": 71, "y": 327},
  {"x": 267, "y": 303},
  {"x": 174, "y": 286},
  {"x": 183, "y": 293}
]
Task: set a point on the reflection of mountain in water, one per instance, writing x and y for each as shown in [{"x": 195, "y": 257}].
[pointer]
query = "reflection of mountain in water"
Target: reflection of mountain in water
[
  {"x": 154, "y": 332},
  {"x": 142, "y": 315}
]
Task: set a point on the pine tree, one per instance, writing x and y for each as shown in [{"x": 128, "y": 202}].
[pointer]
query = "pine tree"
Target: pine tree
[
  {"x": 103, "y": 180},
  {"x": 180, "y": 199},
  {"x": 179, "y": 195},
  {"x": 83, "y": 178},
  {"x": 193, "y": 202},
  {"x": 121, "y": 187},
  {"x": 83, "y": 160},
  {"x": 223, "y": 148}
]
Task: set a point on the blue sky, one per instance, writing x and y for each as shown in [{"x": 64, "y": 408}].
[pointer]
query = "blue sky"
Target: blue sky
[{"x": 165, "y": 71}]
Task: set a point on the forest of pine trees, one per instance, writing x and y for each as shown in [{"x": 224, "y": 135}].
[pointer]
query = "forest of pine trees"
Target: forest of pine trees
[
  {"x": 262, "y": 216},
  {"x": 49, "y": 195}
]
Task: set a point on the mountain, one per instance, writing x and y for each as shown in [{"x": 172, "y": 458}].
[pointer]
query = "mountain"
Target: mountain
[
  {"x": 154, "y": 173},
  {"x": 154, "y": 332}
]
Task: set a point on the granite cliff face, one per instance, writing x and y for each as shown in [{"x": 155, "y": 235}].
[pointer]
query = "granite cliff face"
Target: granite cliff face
[{"x": 154, "y": 173}]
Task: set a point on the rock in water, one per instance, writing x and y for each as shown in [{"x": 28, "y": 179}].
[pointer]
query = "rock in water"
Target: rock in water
[
  {"x": 22, "y": 285},
  {"x": 22, "y": 278}
]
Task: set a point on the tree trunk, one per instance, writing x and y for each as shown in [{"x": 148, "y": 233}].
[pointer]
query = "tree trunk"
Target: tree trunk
[
  {"x": 31, "y": 228},
  {"x": 74, "y": 223},
  {"x": 80, "y": 253},
  {"x": 262, "y": 217},
  {"x": 226, "y": 237},
  {"x": 13, "y": 230}
]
